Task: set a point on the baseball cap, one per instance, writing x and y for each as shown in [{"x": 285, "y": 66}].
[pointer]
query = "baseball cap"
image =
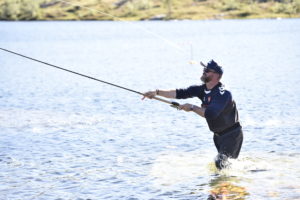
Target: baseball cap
[{"x": 213, "y": 66}]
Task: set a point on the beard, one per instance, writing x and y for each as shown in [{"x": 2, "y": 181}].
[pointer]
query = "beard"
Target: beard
[{"x": 205, "y": 79}]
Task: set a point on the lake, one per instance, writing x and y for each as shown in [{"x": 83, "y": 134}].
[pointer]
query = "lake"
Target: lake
[{"x": 63, "y": 136}]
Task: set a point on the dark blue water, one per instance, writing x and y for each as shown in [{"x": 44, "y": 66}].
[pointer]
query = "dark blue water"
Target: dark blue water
[{"x": 66, "y": 137}]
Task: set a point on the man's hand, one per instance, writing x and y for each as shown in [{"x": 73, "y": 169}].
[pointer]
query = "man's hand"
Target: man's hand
[
  {"x": 186, "y": 107},
  {"x": 149, "y": 95}
]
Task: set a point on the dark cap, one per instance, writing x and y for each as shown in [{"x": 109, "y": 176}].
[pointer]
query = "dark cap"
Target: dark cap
[{"x": 213, "y": 66}]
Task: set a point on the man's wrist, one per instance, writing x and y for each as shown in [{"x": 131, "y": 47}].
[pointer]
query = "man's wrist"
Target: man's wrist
[
  {"x": 192, "y": 108},
  {"x": 157, "y": 92}
]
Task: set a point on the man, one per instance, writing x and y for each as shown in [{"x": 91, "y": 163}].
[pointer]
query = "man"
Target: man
[{"x": 218, "y": 108}]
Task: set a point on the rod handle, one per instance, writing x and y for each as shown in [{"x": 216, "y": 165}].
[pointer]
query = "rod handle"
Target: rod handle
[{"x": 175, "y": 105}]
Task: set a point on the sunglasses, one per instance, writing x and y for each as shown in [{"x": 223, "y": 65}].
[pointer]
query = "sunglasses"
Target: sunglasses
[{"x": 208, "y": 70}]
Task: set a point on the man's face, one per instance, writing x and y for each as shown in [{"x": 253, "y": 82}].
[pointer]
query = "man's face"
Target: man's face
[{"x": 207, "y": 75}]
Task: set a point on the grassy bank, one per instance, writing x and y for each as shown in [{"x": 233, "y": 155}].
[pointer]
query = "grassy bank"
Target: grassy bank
[{"x": 147, "y": 9}]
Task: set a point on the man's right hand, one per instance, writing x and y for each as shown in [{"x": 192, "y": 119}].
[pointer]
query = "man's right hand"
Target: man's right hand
[{"x": 149, "y": 95}]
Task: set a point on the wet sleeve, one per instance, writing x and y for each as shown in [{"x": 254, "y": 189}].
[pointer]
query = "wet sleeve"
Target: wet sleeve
[
  {"x": 192, "y": 91},
  {"x": 217, "y": 105}
]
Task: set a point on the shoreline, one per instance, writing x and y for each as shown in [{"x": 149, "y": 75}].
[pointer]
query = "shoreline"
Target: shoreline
[
  {"x": 148, "y": 10},
  {"x": 170, "y": 20}
]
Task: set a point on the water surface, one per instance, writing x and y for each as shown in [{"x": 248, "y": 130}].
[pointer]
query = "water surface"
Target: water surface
[{"x": 66, "y": 137}]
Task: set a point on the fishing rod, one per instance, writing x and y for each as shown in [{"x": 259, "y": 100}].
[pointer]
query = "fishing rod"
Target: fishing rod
[
  {"x": 178, "y": 48},
  {"x": 172, "y": 103},
  {"x": 154, "y": 34}
]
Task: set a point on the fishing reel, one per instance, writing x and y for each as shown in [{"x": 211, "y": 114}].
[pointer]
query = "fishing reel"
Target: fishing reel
[{"x": 175, "y": 105}]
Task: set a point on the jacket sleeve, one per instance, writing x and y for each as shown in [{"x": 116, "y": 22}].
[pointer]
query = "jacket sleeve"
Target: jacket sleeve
[
  {"x": 217, "y": 105},
  {"x": 192, "y": 91}
]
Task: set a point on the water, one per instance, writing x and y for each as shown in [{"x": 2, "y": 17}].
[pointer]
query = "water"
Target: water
[{"x": 66, "y": 137}]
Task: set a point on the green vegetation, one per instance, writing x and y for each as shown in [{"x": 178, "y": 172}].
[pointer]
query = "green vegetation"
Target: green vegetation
[
  {"x": 19, "y": 10},
  {"x": 146, "y": 9}
]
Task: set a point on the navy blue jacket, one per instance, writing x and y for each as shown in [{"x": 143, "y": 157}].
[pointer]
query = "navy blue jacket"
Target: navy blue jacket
[{"x": 221, "y": 112}]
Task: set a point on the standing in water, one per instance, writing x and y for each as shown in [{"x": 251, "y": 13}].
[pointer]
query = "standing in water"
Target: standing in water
[{"x": 218, "y": 108}]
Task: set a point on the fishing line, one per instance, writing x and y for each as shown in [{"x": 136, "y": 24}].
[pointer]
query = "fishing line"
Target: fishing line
[
  {"x": 169, "y": 42},
  {"x": 173, "y": 104}
]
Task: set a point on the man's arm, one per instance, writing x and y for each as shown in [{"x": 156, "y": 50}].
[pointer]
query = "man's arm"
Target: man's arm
[
  {"x": 192, "y": 91},
  {"x": 171, "y": 94},
  {"x": 199, "y": 110},
  {"x": 214, "y": 108},
  {"x": 196, "y": 109}
]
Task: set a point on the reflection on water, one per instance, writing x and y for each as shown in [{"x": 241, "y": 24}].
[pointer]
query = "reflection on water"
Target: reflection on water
[
  {"x": 174, "y": 169},
  {"x": 226, "y": 188}
]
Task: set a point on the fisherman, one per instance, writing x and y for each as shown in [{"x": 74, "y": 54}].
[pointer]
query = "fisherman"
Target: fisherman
[{"x": 218, "y": 108}]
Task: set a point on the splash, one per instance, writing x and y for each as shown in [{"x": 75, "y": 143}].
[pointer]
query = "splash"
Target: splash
[{"x": 244, "y": 178}]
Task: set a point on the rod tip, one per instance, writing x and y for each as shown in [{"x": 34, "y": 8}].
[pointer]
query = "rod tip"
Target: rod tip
[{"x": 192, "y": 62}]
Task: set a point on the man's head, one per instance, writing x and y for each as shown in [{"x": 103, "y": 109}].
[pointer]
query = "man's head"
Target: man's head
[{"x": 211, "y": 72}]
